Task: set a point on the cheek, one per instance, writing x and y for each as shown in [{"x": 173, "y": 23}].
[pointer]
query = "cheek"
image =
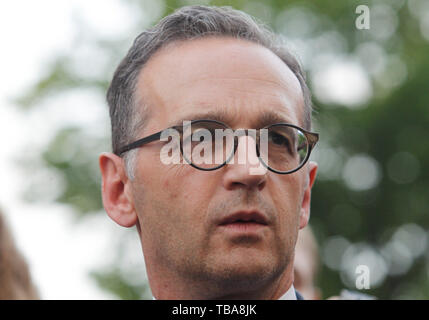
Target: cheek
[
  {"x": 169, "y": 189},
  {"x": 177, "y": 184},
  {"x": 287, "y": 195},
  {"x": 179, "y": 195}
]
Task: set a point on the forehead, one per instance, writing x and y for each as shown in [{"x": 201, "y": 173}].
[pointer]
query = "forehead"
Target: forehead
[{"x": 239, "y": 80}]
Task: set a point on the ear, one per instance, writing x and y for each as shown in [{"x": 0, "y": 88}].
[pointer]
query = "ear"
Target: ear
[
  {"x": 117, "y": 199},
  {"x": 305, "y": 206}
]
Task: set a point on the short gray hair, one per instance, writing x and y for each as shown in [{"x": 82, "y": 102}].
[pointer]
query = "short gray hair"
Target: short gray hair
[{"x": 186, "y": 23}]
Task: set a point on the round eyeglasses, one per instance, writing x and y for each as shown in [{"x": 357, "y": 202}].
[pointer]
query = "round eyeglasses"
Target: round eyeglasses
[{"x": 209, "y": 145}]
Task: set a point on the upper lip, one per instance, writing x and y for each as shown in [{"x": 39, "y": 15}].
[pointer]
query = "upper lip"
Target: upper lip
[{"x": 245, "y": 216}]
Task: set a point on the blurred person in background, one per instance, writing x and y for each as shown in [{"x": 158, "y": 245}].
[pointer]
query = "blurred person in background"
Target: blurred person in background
[
  {"x": 209, "y": 230},
  {"x": 15, "y": 278},
  {"x": 306, "y": 269},
  {"x": 306, "y": 265}
]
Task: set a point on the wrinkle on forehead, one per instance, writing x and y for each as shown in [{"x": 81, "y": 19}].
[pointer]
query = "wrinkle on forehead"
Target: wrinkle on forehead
[
  {"x": 220, "y": 72},
  {"x": 230, "y": 117}
]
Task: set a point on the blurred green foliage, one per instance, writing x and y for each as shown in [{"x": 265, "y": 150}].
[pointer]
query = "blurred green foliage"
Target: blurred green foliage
[
  {"x": 372, "y": 189},
  {"x": 113, "y": 281}
]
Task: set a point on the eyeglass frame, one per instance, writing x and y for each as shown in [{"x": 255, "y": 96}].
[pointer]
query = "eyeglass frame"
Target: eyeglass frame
[{"x": 312, "y": 139}]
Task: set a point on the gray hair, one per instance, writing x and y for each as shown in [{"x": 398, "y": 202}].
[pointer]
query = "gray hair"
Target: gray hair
[{"x": 186, "y": 23}]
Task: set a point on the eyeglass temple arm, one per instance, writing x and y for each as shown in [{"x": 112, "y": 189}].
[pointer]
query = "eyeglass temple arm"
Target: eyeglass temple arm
[
  {"x": 139, "y": 143},
  {"x": 313, "y": 138}
]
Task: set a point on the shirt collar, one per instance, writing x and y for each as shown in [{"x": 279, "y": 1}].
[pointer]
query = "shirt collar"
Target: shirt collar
[{"x": 289, "y": 295}]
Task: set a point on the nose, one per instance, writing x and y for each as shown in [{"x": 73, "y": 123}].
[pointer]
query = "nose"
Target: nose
[{"x": 245, "y": 170}]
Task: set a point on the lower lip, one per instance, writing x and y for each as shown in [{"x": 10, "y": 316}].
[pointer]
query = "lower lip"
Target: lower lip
[{"x": 243, "y": 227}]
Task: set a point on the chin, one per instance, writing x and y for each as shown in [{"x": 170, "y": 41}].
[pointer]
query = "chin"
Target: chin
[{"x": 246, "y": 268}]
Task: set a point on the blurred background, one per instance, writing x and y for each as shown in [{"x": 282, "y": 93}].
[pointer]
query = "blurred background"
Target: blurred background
[{"x": 371, "y": 93}]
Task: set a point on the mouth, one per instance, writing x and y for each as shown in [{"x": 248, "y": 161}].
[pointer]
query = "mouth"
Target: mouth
[
  {"x": 243, "y": 217},
  {"x": 244, "y": 221}
]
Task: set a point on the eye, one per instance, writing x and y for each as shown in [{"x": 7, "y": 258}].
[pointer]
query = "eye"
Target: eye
[
  {"x": 203, "y": 134},
  {"x": 278, "y": 139}
]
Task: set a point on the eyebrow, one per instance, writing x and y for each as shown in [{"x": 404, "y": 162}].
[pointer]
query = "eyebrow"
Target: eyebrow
[
  {"x": 272, "y": 117},
  {"x": 264, "y": 119},
  {"x": 218, "y": 115}
]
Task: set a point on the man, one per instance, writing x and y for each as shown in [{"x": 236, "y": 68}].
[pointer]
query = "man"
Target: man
[{"x": 211, "y": 231}]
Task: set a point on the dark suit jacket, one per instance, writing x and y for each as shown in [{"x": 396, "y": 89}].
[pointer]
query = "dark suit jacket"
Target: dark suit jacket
[{"x": 299, "y": 296}]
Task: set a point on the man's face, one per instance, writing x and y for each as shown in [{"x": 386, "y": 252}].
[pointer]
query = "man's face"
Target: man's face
[{"x": 181, "y": 209}]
